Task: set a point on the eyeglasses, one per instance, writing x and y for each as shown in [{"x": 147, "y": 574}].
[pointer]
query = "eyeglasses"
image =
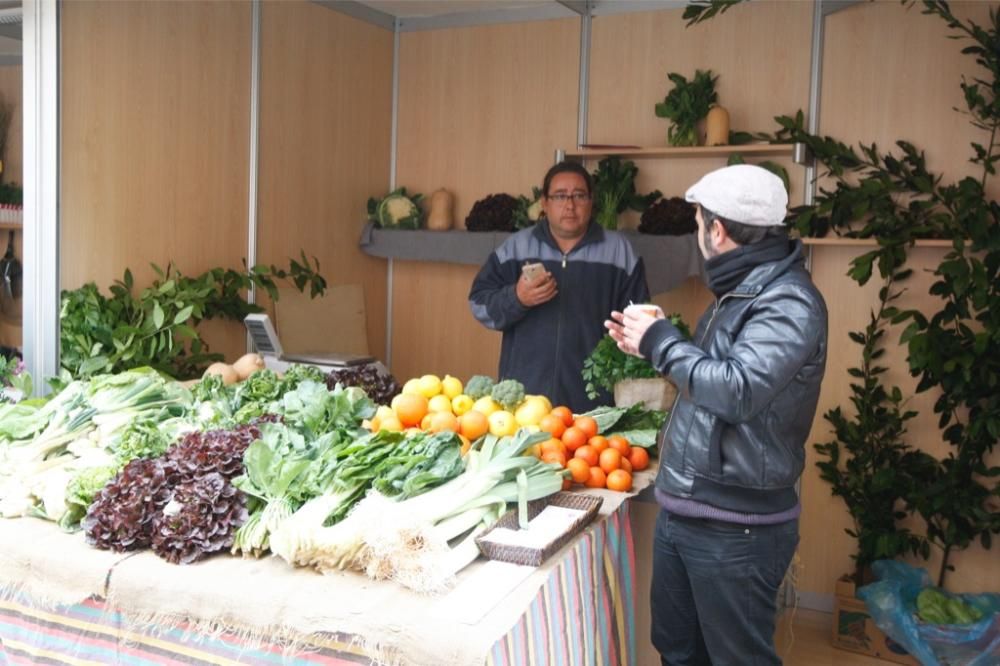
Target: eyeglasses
[{"x": 562, "y": 197}]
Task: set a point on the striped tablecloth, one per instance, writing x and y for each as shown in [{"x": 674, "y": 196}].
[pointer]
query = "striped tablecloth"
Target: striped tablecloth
[{"x": 580, "y": 612}]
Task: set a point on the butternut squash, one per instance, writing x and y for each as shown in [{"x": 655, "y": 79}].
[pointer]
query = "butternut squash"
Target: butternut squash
[
  {"x": 441, "y": 216},
  {"x": 717, "y": 126}
]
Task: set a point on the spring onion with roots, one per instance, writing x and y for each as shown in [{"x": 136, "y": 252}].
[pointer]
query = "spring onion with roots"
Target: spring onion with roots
[{"x": 409, "y": 541}]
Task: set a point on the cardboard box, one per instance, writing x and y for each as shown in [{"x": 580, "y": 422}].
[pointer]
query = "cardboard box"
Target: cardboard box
[{"x": 854, "y": 630}]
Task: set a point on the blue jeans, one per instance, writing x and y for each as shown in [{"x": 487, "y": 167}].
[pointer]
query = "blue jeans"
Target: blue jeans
[{"x": 714, "y": 591}]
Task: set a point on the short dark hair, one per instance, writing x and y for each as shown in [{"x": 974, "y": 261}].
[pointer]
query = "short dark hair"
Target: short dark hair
[
  {"x": 567, "y": 167},
  {"x": 739, "y": 233}
]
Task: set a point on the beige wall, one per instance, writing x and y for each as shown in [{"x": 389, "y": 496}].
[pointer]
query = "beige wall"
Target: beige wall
[
  {"x": 481, "y": 111},
  {"x": 154, "y": 150},
  {"x": 325, "y": 127},
  {"x": 155, "y": 142}
]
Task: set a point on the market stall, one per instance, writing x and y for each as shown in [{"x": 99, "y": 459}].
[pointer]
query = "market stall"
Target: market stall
[{"x": 65, "y": 602}]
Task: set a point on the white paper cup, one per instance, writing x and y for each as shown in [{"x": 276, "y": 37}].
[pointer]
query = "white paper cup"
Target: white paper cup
[{"x": 646, "y": 308}]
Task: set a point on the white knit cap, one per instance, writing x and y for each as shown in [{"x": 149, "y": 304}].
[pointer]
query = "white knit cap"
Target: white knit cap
[{"x": 742, "y": 193}]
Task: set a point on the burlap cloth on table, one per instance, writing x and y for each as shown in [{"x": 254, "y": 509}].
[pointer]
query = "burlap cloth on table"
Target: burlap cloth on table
[
  {"x": 268, "y": 601},
  {"x": 50, "y": 566}
]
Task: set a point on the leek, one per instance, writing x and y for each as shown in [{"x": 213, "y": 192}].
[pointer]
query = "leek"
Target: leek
[{"x": 408, "y": 541}]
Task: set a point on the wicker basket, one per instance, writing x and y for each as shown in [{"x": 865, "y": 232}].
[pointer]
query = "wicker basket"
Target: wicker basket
[{"x": 533, "y": 557}]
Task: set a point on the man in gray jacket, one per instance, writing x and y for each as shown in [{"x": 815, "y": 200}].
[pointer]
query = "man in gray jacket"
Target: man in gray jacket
[{"x": 734, "y": 446}]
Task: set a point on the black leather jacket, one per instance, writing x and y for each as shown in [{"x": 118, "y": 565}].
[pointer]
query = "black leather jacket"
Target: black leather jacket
[{"x": 748, "y": 385}]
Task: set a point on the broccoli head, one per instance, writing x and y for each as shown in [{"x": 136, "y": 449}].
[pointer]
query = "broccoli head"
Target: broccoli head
[
  {"x": 478, "y": 386},
  {"x": 509, "y": 393}
]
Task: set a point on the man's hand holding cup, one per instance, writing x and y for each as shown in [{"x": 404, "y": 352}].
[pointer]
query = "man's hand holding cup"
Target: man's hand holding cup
[{"x": 628, "y": 327}]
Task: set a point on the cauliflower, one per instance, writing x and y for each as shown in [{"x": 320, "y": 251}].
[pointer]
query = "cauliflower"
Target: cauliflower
[
  {"x": 509, "y": 393},
  {"x": 535, "y": 211},
  {"x": 478, "y": 386},
  {"x": 397, "y": 210}
]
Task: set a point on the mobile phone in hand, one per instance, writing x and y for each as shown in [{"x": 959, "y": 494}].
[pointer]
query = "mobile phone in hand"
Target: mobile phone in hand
[{"x": 533, "y": 271}]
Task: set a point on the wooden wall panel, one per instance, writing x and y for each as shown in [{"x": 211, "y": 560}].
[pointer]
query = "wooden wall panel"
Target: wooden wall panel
[
  {"x": 154, "y": 123},
  {"x": 11, "y": 85},
  {"x": 889, "y": 74},
  {"x": 760, "y": 51},
  {"x": 11, "y": 88},
  {"x": 481, "y": 111},
  {"x": 325, "y": 127}
]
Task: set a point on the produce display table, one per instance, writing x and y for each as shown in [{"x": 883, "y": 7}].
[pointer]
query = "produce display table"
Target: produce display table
[{"x": 64, "y": 602}]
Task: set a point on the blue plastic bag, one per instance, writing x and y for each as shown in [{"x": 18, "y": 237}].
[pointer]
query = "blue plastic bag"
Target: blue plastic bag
[{"x": 892, "y": 602}]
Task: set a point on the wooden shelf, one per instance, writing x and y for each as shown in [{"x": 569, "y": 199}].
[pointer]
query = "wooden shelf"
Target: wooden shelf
[
  {"x": 871, "y": 242},
  {"x": 10, "y": 225},
  {"x": 750, "y": 149}
]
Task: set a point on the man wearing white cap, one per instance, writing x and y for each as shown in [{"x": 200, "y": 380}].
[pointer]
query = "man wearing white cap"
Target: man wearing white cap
[{"x": 734, "y": 446}]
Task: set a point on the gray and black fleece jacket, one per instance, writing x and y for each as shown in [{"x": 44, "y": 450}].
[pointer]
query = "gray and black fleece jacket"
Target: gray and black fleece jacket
[
  {"x": 544, "y": 346},
  {"x": 748, "y": 385}
]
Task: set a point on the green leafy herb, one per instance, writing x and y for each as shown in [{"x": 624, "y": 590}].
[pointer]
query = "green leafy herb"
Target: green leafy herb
[
  {"x": 607, "y": 365},
  {"x": 686, "y": 104},
  {"x": 614, "y": 191},
  {"x": 158, "y": 327}
]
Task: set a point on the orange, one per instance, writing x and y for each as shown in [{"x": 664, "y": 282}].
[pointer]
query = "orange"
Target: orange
[
  {"x": 639, "y": 457},
  {"x": 619, "y": 480},
  {"x": 554, "y": 457},
  {"x": 620, "y": 444},
  {"x": 598, "y": 443},
  {"x": 585, "y": 452},
  {"x": 564, "y": 413},
  {"x": 573, "y": 438},
  {"x": 610, "y": 460},
  {"x": 587, "y": 424},
  {"x": 626, "y": 465},
  {"x": 579, "y": 468},
  {"x": 466, "y": 444},
  {"x": 553, "y": 444},
  {"x": 598, "y": 479},
  {"x": 425, "y": 423},
  {"x": 553, "y": 425},
  {"x": 410, "y": 408},
  {"x": 473, "y": 424},
  {"x": 443, "y": 421}
]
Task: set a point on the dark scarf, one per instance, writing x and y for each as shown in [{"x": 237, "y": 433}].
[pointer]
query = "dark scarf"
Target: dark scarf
[{"x": 728, "y": 269}]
